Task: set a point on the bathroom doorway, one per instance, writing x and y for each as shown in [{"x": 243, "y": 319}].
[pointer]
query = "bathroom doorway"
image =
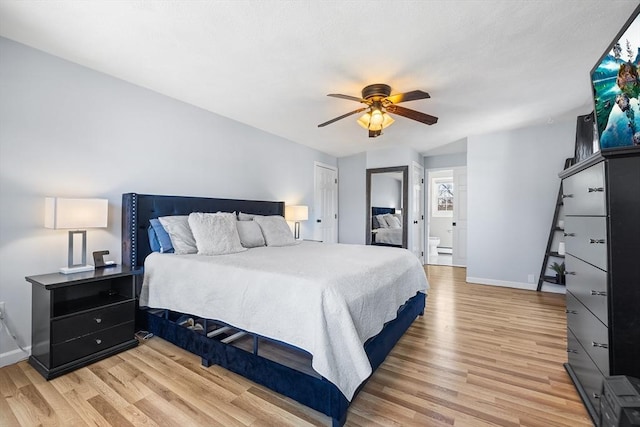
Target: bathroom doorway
[{"x": 446, "y": 210}]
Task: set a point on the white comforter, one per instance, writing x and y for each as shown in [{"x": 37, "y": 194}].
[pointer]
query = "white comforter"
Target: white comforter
[{"x": 327, "y": 299}]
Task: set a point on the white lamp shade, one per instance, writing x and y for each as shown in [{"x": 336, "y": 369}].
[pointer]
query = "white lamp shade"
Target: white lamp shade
[
  {"x": 75, "y": 213},
  {"x": 296, "y": 213}
]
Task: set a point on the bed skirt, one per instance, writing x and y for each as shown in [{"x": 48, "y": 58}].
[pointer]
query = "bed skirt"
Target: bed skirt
[{"x": 315, "y": 392}]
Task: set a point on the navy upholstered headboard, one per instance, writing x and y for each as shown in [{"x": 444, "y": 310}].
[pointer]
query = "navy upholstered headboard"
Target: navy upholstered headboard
[
  {"x": 138, "y": 209},
  {"x": 382, "y": 211}
]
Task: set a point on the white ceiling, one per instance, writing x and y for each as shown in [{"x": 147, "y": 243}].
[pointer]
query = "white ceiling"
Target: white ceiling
[{"x": 488, "y": 65}]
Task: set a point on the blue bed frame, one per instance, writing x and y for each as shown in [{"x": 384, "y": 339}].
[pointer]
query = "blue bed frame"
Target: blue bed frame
[{"x": 312, "y": 391}]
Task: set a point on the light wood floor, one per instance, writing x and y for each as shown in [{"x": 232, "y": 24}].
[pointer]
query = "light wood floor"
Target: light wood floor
[{"x": 481, "y": 356}]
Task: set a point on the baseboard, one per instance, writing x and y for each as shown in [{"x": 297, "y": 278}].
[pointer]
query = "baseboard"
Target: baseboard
[
  {"x": 547, "y": 287},
  {"x": 14, "y": 356}
]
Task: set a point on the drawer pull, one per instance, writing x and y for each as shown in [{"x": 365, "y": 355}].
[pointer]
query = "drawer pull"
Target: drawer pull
[
  {"x": 567, "y": 196},
  {"x": 596, "y": 189},
  {"x": 599, "y": 293},
  {"x": 570, "y": 273},
  {"x": 98, "y": 320},
  {"x": 595, "y": 395},
  {"x": 570, "y": 350},
  {"x": 601, "y": 241},
  {"x": 599, "y": 345},
  {"x": 569, "y": 234},
  {"x": 571, "y": 311},
  {"x": 98, "y": 341}
]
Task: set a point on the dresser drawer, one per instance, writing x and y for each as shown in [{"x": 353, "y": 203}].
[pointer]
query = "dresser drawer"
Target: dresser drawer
[
  {"x": 592, "y": 334},
  {"x": 584, "y": 193},
  {"x": 589, "y": 285},
  {"x": 586, "y": 238},
  {"x": 588, "y": 374},
  {"x": 84, "y": 346},
  {"x": 93, "y": 321}
]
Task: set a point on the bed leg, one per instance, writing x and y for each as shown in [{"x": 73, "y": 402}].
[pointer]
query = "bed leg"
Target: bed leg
[
  {"x": 205, "y": 362},
  {"x": 335, "y": 422},
  {"x": 255, "y": 344}
]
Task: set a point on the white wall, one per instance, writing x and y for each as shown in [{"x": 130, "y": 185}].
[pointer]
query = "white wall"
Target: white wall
[
  {"x": 352, "y": 202},
  {"x": 69, "y": 131},
  {"x": 386, "y": 192},
  {"x": 512, "y": 188}
]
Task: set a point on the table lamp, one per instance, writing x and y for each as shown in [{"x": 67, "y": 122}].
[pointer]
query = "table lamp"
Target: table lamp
[
  {"x": 76, "y": 215},
  {"x": 296, "y": 213}
]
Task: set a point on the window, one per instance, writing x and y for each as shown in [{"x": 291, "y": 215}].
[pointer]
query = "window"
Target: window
[{"x": 442, "y": 197}]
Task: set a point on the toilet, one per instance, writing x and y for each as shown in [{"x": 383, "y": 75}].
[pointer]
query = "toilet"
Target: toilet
[{"x": 433, "y": 246}]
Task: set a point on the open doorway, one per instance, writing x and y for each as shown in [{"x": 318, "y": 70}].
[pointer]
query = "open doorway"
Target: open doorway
[{"x": 446, "y": 210}]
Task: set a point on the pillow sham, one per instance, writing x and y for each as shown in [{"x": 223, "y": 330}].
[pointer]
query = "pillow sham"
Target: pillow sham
[
  {"x": 392, "y": 221},
  {"x": 245, "y": 217},
  {"x": 164, "y": 240},
  {"x": 382, "y": 222},
  {"x": 374, "y": 222},
  {"x": 275, "y": 230},
  {"x": 180, "y": 233},
  {"x": 215, "y": 233},
  {"x": 153, "y": 239},
  {"x": 250, "y": 234}
]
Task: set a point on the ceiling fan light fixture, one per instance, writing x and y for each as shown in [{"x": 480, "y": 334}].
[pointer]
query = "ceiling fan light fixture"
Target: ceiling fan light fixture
[{"x": 375, "y": 120}]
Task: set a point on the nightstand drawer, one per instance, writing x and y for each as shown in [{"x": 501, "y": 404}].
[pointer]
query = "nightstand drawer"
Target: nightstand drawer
[
  {"x": 96, "y": 320},
  {"x": 584, "y": 193},
  {"x": 586, "y": 238},
  {"x": 84, "y": 346},
  {"x": 592, "y": 334},
  {"x": 588, "y": 284},
  {"x": 588, "y": 374}
]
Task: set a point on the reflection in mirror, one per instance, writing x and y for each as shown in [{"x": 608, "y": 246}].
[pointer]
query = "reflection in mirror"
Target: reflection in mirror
[{"x": 387, "y": 207}]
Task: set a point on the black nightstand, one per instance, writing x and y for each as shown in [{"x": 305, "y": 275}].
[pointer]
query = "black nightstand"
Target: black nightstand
[{"x": 77, "y": 319}]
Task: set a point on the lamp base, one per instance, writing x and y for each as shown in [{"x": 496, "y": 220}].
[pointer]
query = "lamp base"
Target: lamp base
[{"x": 78, "y": 269}]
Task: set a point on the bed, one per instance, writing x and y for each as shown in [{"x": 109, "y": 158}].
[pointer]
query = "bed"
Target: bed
[
  {"x": 386, "y": 235},
  {"x": 248, "y": 345}
]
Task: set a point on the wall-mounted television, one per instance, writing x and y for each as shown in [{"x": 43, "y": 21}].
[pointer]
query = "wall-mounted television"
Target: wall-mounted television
[{"x": 616, "y": 89}]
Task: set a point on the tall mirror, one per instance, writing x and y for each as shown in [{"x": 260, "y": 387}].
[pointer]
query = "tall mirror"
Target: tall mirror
[{"x": 387, "y": 206}]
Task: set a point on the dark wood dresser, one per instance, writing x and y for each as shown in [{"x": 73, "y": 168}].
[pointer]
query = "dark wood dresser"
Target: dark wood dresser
[
  {"x": 602, "y": 233},
  {"x": 81, "y": 318}
]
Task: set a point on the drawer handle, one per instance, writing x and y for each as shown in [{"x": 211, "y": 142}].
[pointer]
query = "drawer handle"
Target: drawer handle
[
  {"x": 98, "y": 320},
  {"x": 601, "y": 241},
  {"x": 570, "y": 273},
  {"x": 599, "y": 345},
  {"x": 595, "y": 395},
  {"x": 569, "y": 234},
  {"x": 571, "y": 312},
  {"x": 567, "y": 196},
  {"x": 570, "y": 350},
  {"x": 98, "y": 341},
  {"x": 596, "y": 189},
  {"x": 599, "y": 293}
]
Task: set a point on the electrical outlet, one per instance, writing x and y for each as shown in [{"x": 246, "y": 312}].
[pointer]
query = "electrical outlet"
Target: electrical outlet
[
  {"x": 532, "y": 278},
  {"x": 1, "y": 309}
]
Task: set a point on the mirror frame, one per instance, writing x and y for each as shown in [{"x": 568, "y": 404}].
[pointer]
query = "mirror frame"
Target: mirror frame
[{"x": 405, "y": 200}]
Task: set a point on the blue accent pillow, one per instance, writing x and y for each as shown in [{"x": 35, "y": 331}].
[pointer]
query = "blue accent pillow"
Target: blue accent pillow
[
  {"x": 163, "y": 237},
  {"x": 153, "y": 239}
]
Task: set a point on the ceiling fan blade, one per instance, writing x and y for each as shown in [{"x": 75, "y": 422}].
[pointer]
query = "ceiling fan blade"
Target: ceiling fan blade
[
  {"x": 407, "y": 96},
  {"x": 349, "y": 97},
  {"x": 412, "y": 114},
  {"x": 359, "y": 110}
]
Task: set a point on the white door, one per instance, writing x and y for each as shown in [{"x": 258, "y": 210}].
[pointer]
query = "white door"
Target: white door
[
  {"x": 416, "y": 225},
  {"x": 459, "y": 217},
  {"x": 325, "y": 212}
]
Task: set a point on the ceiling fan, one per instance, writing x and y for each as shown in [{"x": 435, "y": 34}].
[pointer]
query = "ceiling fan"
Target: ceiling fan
[{"x": 379, "y": 102}]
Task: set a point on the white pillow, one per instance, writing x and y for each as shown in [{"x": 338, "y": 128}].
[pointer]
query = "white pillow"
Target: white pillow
[
  {"x": 382, "y": 222},
  {"x": 245, "y": 217},
  {"x": 250, "y": 234},
  {"x": 275, "y": 230},
  {"x": 393, "y": 221},
  {"x": 180, "y": 233},
  {"x": 215, "y": 233}
]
